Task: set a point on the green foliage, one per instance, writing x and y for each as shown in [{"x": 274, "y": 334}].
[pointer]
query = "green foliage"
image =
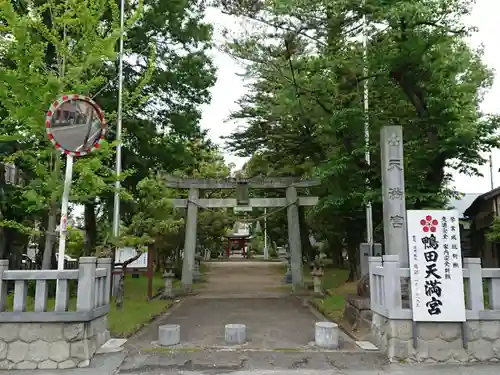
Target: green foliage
[
  {"x": 64, "y": 46},
  {"x": 305, "y": 110},
  {"x": 493, "y": 233},
  {"x": 74, "y": 242},
  {"x": 153, "y": 216}
]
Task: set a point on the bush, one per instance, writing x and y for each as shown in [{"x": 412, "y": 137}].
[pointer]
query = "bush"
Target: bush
[{"x": 273, "y": 253}]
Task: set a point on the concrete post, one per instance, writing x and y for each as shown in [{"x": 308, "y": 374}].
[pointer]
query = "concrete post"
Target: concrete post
[
  {"x": 20, "y": 293},
  {"x": 235, "y": 334},
  {"x": 106, "y": 263},
  {"x": 190, "y": 240},
  {"x": 4, "y": 266},
  {"x": 41, "y": 293},
  {"x": 364, "y": 254},
  {"x": 169, "y": 334},
  {"x": 392, "y": 284},
  {"x": 62, "y": 296},
  {"x": 475, "y": 294},
  {"x": 86, "y": 279},
  {"x": 375, "y": 291},
  {"x": 393, "y": 193},
  {"x": 326, "y": 335},
  {"x": 294, "y": 236}
]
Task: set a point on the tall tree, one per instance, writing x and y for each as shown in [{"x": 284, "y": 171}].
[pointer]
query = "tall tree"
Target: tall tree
[
  {"x": 305, "y": 112},
  {"x": 49, "y": 48}
]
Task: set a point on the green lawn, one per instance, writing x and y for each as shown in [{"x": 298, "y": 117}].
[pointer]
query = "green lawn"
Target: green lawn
[
  {"x": 334, "y": 283},
  {"x": 137, "y": 309}
]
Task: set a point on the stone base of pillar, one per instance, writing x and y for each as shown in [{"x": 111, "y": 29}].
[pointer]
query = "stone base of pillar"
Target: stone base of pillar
[{"x": 358, "y": 315}]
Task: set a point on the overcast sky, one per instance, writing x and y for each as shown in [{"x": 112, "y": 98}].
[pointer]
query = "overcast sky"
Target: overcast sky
[{"x": 230, "y": 87}]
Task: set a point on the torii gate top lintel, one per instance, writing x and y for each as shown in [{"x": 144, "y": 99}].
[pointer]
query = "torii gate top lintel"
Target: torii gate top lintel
[{"x": 231, "y": 183}]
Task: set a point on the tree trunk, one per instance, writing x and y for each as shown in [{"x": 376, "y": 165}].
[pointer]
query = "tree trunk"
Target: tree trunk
[
  {"x": 90, "y": 228},
  {"x": 3, "y": 242},
  {"x": 50, "y": 239},
  {"x": 121, "y": 286},
  {"x": 50, "y": 235},
  {"x": 352, "y": 252},
  {"x": 3, "y": 239}
]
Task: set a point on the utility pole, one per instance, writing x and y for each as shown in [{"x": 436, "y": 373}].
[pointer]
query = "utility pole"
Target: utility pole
[
  {"x": 266, "y": 251},
  {"x": 116, "y": 205},
  {"x": 492, "y": 186},
  {"x": 369, "y": 212}
]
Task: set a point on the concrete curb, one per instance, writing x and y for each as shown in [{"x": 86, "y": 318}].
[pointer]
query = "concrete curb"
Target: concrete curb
[{"x": 229, "y": 361}]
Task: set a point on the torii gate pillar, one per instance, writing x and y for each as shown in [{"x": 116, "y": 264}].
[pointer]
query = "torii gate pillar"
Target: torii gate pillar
[
  {"x": 294, "y": 237},
  {"x": 190, "y": 239}
]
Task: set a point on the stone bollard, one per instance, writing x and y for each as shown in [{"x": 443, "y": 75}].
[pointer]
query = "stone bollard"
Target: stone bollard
[
  {"x": 235, "y": 334},
  {"x": 169, "y": 334},
  {"x": 326, "y": 335}
]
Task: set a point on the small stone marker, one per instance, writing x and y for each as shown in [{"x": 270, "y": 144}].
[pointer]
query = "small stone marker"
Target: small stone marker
[
  {"x": 235, "y": 334},
  {"x": 326, "y": 335},
  {"x": 169, "y": 334},
  {"x": 366, "y": 345}
]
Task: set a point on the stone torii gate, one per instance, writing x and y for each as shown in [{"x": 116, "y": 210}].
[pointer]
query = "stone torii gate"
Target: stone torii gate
[{"x": 291, "y": 201}]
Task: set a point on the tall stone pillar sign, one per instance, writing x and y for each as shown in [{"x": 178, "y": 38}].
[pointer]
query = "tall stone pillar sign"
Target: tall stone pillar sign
[{"x": 393, "y": 192}]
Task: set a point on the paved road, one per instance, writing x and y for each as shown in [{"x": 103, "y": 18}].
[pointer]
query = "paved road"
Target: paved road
[
  {"x": 72, "y": 137},
  {"x": 275, "y": 363},
  {"x": 282, "y": 364},
  {"x": 394, "y": 370},
  {"x": 244, "y": 279},
  {"x": 279, "y": 328},
  {"x": 250, "y": 293}
]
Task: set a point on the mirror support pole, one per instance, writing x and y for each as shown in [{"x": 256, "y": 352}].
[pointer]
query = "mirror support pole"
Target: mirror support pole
[
  {"x": 64, "y": 212},
  {"x": 116, "y": 205}
]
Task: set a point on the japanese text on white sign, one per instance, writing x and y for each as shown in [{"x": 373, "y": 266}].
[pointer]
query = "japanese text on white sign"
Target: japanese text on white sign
[{"x": 435, "y": 266}]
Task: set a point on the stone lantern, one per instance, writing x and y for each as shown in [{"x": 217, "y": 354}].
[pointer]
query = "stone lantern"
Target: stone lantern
[
  {"x": 196, "y": 267},
  {"x": 317, "y": 274},
  {"x": 288, "y": 274},
  {"x": 169, "y": 276}
]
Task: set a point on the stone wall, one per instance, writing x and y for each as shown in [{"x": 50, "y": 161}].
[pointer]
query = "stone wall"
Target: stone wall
[
  {"x": 29, "y": 346},
  {"x": 437, "y": 342},
  {"x": 357, "y": 313}
]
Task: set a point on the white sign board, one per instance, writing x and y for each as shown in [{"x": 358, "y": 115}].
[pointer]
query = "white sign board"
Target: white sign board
[
  {"x": 125, "y": 253},
  {"x": 435, "y": 257}
]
